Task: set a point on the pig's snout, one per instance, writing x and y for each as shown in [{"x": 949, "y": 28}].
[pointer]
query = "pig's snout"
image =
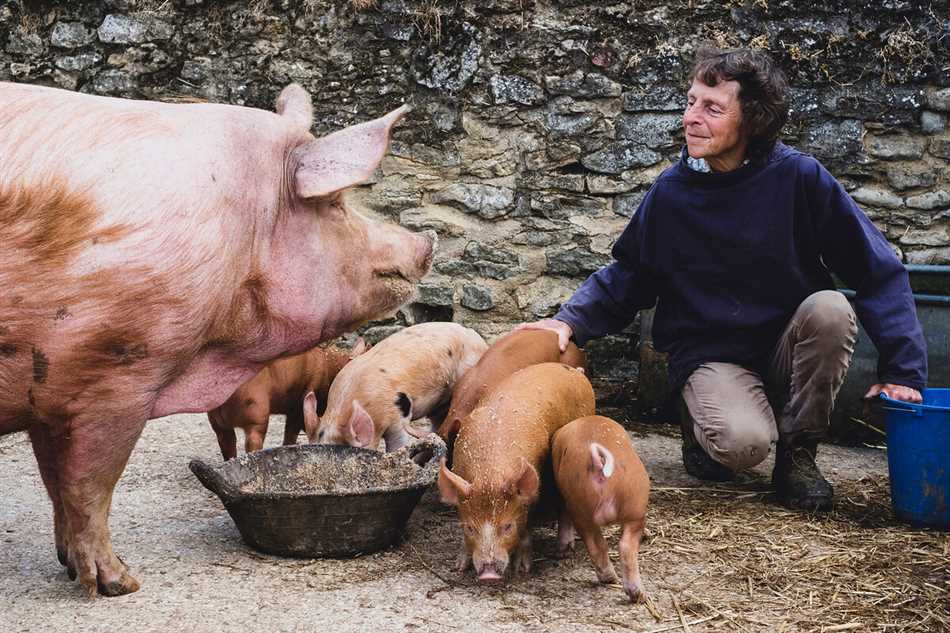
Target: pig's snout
[
  {"x": 425, "y": 250},
  {"x": 489, "y": 573}
]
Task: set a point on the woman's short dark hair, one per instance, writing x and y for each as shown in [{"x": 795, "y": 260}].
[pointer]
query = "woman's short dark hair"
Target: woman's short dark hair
[{"x": 763, "y": 91}]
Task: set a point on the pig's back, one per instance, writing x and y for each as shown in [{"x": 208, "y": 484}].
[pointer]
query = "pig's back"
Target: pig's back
[
  {"x": 514, "y": 351},
  {"x": 546, "y": 394},
  {"x": 518, "y": 418},
  {"x": 91, "y": 233}
]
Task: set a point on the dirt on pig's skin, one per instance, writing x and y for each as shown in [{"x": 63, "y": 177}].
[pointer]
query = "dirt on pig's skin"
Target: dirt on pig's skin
[{"x": 703, "y": 548}]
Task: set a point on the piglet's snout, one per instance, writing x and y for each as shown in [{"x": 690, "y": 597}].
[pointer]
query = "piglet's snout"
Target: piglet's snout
[{"x": 489, "y": 573}]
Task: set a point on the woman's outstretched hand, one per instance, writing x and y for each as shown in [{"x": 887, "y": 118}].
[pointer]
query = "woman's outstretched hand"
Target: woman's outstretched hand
[{"x": 562, "y": 329}]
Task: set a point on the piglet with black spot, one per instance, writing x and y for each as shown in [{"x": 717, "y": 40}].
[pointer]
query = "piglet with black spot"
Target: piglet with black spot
[{"x": 404, "y": 377}]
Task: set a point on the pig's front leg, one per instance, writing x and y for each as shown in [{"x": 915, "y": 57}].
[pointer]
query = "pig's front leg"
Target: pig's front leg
[
  {"x": 227, "y": 440},
  {"x": 599, "y": 553},
  {"x": 254, "y": 436},
  {"x": 565, "y": 533},
  {"x": 93, "y": 458},
  {"x": 293, "y": 427},
  {"x": 47, "y": 448},
  {"x": 464, "y": 558},
  {"x": 523, "y": 554},
  {"x": 629, "y": 549},
  {"x": 396, "y": 436}
]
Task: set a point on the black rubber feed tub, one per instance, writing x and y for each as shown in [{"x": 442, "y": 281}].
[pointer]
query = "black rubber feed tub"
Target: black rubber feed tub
[{"x": 314, "y": 501}]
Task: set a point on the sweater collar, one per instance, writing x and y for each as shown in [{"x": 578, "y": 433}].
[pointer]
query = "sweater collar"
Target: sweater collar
[{"x": 698, "y": 170}]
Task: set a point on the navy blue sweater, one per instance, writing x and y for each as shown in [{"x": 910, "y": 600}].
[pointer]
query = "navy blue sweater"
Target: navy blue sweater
[{"x": 728, "y": 257}]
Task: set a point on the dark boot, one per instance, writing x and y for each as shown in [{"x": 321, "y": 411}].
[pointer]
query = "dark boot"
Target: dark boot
[
  {"x": 796, "y": 478},
  {"x": 697, "y": 462}
]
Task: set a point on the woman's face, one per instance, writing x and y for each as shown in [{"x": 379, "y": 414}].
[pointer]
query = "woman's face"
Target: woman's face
[{"x": 713, "y": 124}]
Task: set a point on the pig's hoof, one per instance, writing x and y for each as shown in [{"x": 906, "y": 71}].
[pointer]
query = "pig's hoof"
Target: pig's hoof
[
  {"x": 62, "y": 557},
  {"x": 635, "y": 593},
  {"x": 524, "y": 563},
  {"x": 120, "y": 587},
  {"x": 565, "y": 549},
  {"x": 607, "y": 576}
]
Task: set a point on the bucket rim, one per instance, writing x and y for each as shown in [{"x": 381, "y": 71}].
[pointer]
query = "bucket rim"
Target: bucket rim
[{"x": 900, "y": 405}]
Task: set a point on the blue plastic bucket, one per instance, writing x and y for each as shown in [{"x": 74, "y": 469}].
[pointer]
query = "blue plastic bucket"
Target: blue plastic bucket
[{"x": 918, "y": 457}]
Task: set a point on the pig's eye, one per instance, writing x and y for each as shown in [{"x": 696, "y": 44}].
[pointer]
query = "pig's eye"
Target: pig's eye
[
  {"x": 507, "y": 528},
  {"x": 469, "y": 529}
]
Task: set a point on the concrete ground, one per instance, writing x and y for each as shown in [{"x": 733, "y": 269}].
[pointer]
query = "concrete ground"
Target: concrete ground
[{"x": 197, "y": 575}]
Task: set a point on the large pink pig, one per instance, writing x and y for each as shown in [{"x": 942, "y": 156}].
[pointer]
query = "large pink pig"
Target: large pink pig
[{"x": 153, "y": 257}]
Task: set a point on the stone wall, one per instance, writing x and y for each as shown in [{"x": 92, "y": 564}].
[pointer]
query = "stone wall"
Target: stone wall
[{"x": 537, "y": 126}]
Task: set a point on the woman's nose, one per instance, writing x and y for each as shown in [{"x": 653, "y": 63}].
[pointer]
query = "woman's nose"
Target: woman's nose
[{"x": 690, "y": 116}]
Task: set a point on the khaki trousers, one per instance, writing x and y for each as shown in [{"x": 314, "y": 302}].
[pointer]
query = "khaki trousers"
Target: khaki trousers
[{"x": 733, "y": 411}]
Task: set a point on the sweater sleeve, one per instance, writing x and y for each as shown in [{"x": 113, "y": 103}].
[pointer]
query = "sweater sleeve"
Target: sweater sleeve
[
  {"x": 853, "y": 248},
  {"x": 609, "y": 299}
]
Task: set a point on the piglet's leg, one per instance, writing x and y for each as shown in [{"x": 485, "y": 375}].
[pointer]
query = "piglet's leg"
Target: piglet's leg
[
  {"x": 47, "y": 447},
  {"x": 565, "y": 533},
  {"x": 227, "y": 440},
  {"x": 464, "y": 559},
  {"x": 255, "y": 417},
  {"x": 523, "y": 554},
  {"x": 599, "y": 554},
  {"x": 93, "y": 458},
  {"x": 254, "y": 437},
  {"x": 293, "y": 427},
  {"x": 396, "y": 437},
  {"x": 629, "y": 548}
]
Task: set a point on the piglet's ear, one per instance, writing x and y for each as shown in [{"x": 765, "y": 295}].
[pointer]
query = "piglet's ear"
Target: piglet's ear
[
  {"x": 343, "y": 159},
  {"x": 452, "y": 488},
  {"x": 527, "y": 483},
  {"x": 294, "y": 104},
  {"x": 311, "y": 421},
  {"x": 360, "y": 347},
  {"x": 450, "y": 429},
  {"x": 360, "y": 428}
]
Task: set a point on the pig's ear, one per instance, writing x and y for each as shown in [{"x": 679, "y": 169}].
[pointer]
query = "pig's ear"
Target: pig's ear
[
  {"x": 452, "y": 488},
  {"x": 311, "y": 421},
  {"x": 450, "y": 428},
  {"x": 294, "y": 103},
  {"x": 527, "y": 483},
  {"x": 343, "y": 159},
  {"x": 360, "y": 347},
  {"x": 361, "y": 429}
]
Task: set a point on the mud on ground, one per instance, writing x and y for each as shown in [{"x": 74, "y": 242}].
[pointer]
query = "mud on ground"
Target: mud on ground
[{"x": 717, "y": 558}]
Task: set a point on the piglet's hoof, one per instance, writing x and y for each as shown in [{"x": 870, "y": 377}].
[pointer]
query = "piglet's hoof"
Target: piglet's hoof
[
  {"x": 564, "y": 550},
  {"x": 635, "y": 592},
  {"x": 607, "y": 576}
]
